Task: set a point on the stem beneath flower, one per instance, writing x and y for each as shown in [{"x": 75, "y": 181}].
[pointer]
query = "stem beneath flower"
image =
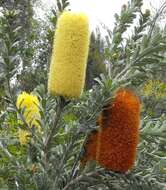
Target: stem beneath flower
[{"x": 54, "y": 129}]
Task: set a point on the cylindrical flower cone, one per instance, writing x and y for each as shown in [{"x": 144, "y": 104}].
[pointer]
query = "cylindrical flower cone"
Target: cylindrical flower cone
[
  {"x": 118, "y": 135},
  {"x": 69, "y": 55}
]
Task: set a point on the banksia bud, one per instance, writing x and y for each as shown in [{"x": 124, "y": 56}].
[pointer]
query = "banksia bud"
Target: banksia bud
[
  {"x": 69, "y": 56},
  {"x": 31, "y": 113},
  {"x": 114, "y": 145}
]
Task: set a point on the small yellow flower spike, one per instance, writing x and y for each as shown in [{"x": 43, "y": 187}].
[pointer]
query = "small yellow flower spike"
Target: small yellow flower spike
[
  {"x": 24, "y": 136},
  {"x": 31, "y": 105},
  {"x": 31, "y": 114},
  {"x": 69, "y": 56},
  {"x": 154, "y": 88}
]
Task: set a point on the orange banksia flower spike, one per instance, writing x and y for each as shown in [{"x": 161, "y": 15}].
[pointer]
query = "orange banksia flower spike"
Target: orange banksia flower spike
[{"x": 114, "y": 144}]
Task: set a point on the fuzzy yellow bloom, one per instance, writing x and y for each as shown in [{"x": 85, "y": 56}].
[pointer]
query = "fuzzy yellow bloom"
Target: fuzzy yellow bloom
[
  {"x": 155, "y": 88},
  {"x": 69, "y": 56},
  {"x": 31, "y": 113},
  {"x": 23, "y": 136},
  {"x": 31, "y": 105}
]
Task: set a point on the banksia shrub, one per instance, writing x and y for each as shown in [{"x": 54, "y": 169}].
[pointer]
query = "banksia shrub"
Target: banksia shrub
[
  {"x": 114, "y": 144},
  {"x": 69, "y": 56},
  {"x": 30, "y": 105}
]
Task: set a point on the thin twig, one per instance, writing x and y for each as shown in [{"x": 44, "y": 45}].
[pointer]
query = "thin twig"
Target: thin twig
[
  {"x": 160, "y": 11},
  {"x": 77, "y": 158}
]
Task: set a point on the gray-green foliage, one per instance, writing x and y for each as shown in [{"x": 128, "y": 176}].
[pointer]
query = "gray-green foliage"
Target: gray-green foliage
[
  {"x": 9, "y": 52},
  {"x": 143, "y": 52},
  {"x": 96, "y": 59},
  {"x": 51, "y": 159},
  {"x": 18, "y": 15}
]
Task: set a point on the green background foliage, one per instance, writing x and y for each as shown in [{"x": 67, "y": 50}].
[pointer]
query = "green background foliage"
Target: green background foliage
[{"x": 51, "y": 159}]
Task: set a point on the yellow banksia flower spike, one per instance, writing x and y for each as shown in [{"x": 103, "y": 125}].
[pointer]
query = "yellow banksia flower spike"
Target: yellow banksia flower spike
[
  {"x": 69, "y": 56},
  {"x": 23, "y": 136},
  {"x": 31, "y": 113},
  {"x": 155, "y": 88}
]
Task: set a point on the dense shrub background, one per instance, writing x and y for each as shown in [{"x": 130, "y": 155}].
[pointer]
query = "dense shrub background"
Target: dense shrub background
[{"x": 137, "y": 61}]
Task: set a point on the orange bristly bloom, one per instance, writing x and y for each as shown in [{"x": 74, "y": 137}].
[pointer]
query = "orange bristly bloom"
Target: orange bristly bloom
[
  {"x": 114, "y": 144},
  {"x": 90, "y": 148}
]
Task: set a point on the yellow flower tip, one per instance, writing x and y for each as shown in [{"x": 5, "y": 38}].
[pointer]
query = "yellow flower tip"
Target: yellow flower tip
[
  {"x": 25, "y": 99},
  {"x": 69, "y": 56},
  {"x": 31, "y": 104},
  {"x": 23, "y": 136}
]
